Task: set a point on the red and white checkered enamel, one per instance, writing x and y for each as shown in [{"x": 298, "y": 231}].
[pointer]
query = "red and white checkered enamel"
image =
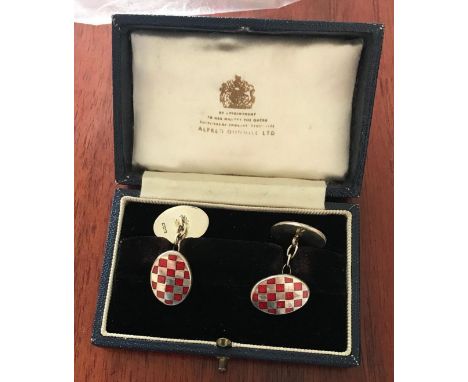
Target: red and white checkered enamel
[
  {"x": 280, "y": 294},
  {"x": 171, "y": 278}
]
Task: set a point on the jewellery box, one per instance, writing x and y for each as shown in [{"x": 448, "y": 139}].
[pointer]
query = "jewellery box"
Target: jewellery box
[{"x": 255, "y": 122}]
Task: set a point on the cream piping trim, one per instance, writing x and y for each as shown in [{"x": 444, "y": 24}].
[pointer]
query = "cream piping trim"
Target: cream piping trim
[{"x": 126, "y": 199}]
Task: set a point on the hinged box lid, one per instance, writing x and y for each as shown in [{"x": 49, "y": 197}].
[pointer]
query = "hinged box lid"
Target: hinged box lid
[{"x": 263, "y": 98}]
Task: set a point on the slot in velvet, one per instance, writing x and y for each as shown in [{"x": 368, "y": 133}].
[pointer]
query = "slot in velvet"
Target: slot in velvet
[{"x": 232, "y": 256}]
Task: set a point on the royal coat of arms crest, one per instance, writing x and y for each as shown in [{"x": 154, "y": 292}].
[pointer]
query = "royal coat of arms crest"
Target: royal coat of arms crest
[{"x": 237, "y": 94}]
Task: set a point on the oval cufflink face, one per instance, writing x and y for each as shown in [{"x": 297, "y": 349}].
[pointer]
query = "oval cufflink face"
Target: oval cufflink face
[
  {"x": 280, "y": 294},
  {"x": 167, "y": 224},
  {"x": 171, "y": 278}
]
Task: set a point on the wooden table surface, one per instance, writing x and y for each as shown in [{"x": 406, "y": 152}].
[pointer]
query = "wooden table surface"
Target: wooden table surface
[{"x": 94, "y": 187}]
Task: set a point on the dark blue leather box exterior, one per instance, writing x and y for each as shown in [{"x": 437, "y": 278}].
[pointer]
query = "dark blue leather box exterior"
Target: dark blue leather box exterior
[{"x": 123, "y": 25}]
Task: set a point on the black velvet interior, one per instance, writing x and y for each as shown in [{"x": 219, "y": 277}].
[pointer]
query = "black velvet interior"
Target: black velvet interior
[{"x": 233, "y": 255}]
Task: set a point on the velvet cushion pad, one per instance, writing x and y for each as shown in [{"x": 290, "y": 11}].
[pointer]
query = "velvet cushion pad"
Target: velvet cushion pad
[{"x": 232, "y": 256}]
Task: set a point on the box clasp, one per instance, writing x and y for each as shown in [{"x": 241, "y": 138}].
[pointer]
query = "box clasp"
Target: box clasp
[
  {"x": 223, "y": 343},
  {"x": 222, "y": 364}
]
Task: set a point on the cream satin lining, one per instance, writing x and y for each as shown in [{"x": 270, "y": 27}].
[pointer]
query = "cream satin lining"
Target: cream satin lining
[
  {"x": 236, "y": 190},
  {"x": 127, "y": 199},
  {"x": 297, "y": 127}
]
